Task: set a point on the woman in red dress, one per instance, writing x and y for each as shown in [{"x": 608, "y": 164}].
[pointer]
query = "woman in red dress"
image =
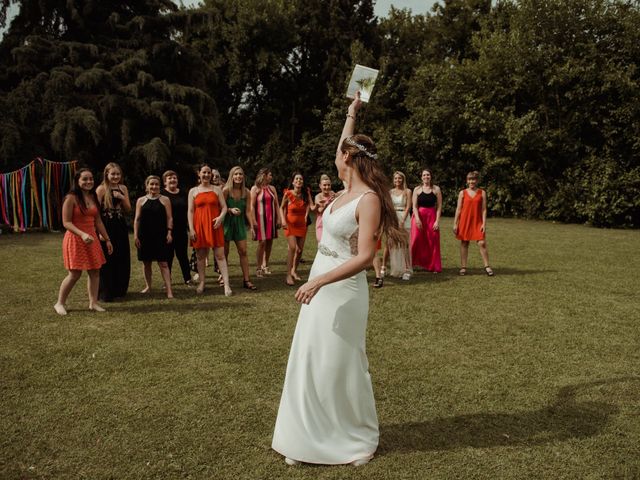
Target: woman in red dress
[
  {"x": 295, "y": 207},
  {"x": 470, "y": 222},
  {"x": 81, "y": 249},
  {"x": 207, "y": 209}
]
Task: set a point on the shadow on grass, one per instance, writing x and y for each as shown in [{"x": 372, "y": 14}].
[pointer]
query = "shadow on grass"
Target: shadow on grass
[
  {"x": 175, "y": 305},
  {"x": 564, "y": 419}
]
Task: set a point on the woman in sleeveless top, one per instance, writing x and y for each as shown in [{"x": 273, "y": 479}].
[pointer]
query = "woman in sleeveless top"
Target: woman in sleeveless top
[
  {"x": 399, "y": 256},
  {"x": 324, "y": 198},
  {"x": 114, "y": 205},
  {"x": 178, "y": 247},
  {"x": 207, "y": 209},
  {"x": 470, "y": 222},
  {"x": 239, "y": 215},
  {"x": 295, "y": 207},
  {"x": 267, "y": 219},
  {"x": 80, "y": 247},
  {"x": 327, "y": 412},
  {"x": 425, "y": 225},
  {"x": 153, "y": 233}
]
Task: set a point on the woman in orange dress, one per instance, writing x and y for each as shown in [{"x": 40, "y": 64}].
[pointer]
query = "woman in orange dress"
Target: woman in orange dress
[
  {"x": 295, "y": 207},
  {"x": 207, "y": 209},
  {"x": 81, "y": 249},
  {"x": 470, "y": 222}
]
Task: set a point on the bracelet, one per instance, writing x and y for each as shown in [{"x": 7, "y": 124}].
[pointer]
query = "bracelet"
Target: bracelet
[{"x": 351, "y": 116}]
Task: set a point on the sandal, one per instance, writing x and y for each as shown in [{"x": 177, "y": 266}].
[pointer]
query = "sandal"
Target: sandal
[
  {"x": 488, "y": 271},
  {"x": 378, "y": 283},
  {"x": 248, "y": 285},
  {"x": 383, "y": 271},
  {"x": 462, "y": 272},
  {"x": 259, "y": 273},
  {"x": 266, "y": 270}
]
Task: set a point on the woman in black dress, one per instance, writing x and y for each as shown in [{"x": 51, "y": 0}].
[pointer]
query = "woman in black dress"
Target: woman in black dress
[
  {"x": 179, "y": 204},
  {"x": 152, "y": 232},
  {"x": 113, "y": 196}
]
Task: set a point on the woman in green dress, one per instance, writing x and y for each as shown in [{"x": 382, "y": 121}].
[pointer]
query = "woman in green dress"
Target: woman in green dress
[{"x": 239, "y": 216}]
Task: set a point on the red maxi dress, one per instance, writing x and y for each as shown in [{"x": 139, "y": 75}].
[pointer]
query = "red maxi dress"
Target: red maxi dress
[{"x": 425, "y": 242}]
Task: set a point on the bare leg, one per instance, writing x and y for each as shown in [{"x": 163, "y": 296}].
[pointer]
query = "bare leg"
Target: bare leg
[
  {"x": 377, "y": 265},
  {"x": 241, "y": 245},
  {"x": 267, "y": 255},
  {"x": 93, "y": 284},
  {"x": 65, "y": 289},
  {"x": 218, "y": 252},
  {"x": 297, "y": 257},
  {"x": 464, "y": 255},
  {"x": 385, "y": 255},
  {"x": 291, "y": 253},
  {"x": 146, "y": 271},
  {"x": 260, "y": 257},
  {"x": 201, "y": 255},
  {"x": 166, "y": 276}
]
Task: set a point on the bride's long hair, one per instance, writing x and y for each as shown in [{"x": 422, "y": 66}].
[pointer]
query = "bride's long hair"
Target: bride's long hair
[{"x": 373, "y": 176}]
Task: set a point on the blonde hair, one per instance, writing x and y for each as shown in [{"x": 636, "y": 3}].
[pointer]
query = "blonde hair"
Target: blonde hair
[
  {"x": 362, "y": 152},
  {"x": 229, "y": 185},
  {"x": 260, "y": 178},
  {"x": 404, "y": 178},
  {"x": 107, "y": 200},
  {"x": 324, "y": 178},
  {"x": 148, "y": 180}
]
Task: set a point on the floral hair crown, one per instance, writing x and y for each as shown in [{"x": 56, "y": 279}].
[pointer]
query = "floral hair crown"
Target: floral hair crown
[{"x": 362, "y": 148}]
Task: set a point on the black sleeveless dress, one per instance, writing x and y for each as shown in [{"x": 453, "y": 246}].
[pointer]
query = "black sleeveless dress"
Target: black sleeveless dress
[
  {"x": 152, "y": 232},
  {"x": 115, "y": 274}
]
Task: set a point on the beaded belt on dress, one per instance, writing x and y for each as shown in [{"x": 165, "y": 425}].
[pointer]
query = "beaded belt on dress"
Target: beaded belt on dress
[{"x": 323, "y": 249}]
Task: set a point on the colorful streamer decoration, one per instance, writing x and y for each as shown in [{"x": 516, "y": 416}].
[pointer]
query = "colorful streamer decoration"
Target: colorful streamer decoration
[{"x": 32, "y": 196}]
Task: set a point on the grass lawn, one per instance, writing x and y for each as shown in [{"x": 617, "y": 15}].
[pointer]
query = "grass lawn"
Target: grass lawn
[{"x": 533, "y": 373}]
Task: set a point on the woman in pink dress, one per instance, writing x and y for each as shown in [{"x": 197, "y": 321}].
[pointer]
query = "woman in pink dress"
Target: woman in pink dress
[
  {"x": 425, "y": 224},
  {"x": 324, "y": 198},
  {"x": 266, "y": 208},
  {"x": 81, "y": 249}
]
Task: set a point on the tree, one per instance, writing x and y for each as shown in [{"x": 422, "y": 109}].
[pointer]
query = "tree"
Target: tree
[{"x": 105, "y": 81}]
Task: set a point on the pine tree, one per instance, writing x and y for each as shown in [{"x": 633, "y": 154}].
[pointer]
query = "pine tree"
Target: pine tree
[{"x": 105, "y": 81}]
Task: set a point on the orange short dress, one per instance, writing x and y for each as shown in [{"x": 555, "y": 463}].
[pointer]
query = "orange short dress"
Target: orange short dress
[
  {"x": 296, "y": 215},
  {"x": 470, "y": 220},
  {"x": 206, "y": 208},
  {"x": 76, "y": 254}
]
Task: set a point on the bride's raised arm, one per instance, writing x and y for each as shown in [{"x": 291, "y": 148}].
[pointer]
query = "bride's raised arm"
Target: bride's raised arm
[{"x": 350, "y": 121}]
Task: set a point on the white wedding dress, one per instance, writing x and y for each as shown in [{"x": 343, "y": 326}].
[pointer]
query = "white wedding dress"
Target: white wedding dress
[{"x": 327, "y": 412}]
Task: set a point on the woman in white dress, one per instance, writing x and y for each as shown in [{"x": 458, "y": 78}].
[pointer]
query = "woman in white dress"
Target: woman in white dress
[
  {"x": 399, "y": 256},
  {"x": 327, "y": 412}
]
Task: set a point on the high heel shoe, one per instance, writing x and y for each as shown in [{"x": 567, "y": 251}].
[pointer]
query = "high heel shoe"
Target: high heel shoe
[{"x": 248, "y": 285}]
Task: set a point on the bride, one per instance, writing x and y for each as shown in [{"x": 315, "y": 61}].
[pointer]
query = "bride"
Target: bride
[{"x": 327, "y": 412}]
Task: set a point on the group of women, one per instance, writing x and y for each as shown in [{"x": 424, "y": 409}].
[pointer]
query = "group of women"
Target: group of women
[
  {"x": 422, "y": 227},
  {"x": 212, "y": 215},
  {"x": 327, "y": 411}
]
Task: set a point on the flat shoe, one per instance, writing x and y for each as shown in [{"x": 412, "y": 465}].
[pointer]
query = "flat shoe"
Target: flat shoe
[
  {"x": 462, "y": 272},
  {"x": 488, "y": 271}
]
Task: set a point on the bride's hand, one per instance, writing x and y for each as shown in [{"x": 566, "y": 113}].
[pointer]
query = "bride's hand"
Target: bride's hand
[
  {"x": 355, "y": 105},
  {"x": 307, "y": 291}
]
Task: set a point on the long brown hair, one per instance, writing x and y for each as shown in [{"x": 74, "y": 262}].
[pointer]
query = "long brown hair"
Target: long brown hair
[
  {"x": 77, "y": 192},
  {"x": 371, "y": 173}
]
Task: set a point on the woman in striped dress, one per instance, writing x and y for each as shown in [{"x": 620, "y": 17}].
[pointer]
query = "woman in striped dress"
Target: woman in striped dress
[{"x": 266, "y": 208}]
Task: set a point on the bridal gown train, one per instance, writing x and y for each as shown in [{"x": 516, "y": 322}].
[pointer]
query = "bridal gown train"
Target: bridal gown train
[{"x": 327, "y": 412}]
